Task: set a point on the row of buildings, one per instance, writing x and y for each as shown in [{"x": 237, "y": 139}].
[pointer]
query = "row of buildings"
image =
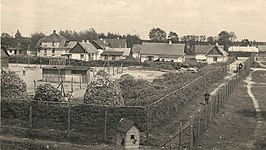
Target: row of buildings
[{"x": 55, "y": 45}]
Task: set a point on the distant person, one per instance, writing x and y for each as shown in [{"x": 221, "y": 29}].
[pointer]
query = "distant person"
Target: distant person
[
  {"x": 207, "y": 97},
  {"x": 24, "y": 71}
]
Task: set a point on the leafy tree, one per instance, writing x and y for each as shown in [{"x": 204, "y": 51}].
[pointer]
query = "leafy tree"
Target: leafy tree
[
  {"x": 226, "y": 38},
  {"x": 173, "y": 37},
  {"x": 6, "y": 39},
  {"x": 202, "y": 38},
  {"x": 157, "y": 35},
  {"x": 245, "y": 42},
  {"x": 35, "y": 37},
  {"x": 46, "y": 92},
  {"x": 211, "y": 40},
  {"x": 18, "y": 35}
]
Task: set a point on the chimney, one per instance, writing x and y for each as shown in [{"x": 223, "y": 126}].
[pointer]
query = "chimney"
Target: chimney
[
  {"x": 217, "y": 44},
  {"x": 170, "y": 42},
  {"x": 83, "y": 41},
  {"x": 87, "y": 41},
  {"x": 54, "y": 31}
]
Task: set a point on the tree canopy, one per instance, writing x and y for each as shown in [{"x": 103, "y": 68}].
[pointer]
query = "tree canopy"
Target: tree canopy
[
  {"x": 173, "y": 37},
  {"x": 157, "y": 35},
  {"x": 226, "y": 38}
]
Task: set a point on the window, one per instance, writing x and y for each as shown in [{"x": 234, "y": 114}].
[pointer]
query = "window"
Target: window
[
  {"x": 113, "y": 57},
  {"x": 150, "y": 58},
  {"x": 53, "y": 44},
  {"x": 105, "y": 57},
  {"x": 214, "y": 58},
  {"x": 53, "y": 50},
  {"x": 15, "y": 52},
  {"x": 132, "y": 137},
  {"x": 10, "y": 51},
  {"x": 45, "y": 50},
  {"x": 81, "y": 56}
]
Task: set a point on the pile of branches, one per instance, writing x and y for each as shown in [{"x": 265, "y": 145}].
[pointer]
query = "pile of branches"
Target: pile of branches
[
  {"x": 46, "y": 92},
  {"x": 103, "y": 90},
  {"x": 11, "y": 85}
]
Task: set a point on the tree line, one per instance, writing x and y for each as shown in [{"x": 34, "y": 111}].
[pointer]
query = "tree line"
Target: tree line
[{"x": 225, "y": 38}]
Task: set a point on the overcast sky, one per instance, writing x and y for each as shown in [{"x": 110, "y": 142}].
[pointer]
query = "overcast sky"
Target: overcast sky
[{"x": 247, "y": 18}]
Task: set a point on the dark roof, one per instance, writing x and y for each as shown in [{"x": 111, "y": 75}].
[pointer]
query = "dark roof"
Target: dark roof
[
  {"x": 53, "y": 38},
  {"x": 203, "y": 49},
  {"x": 262, "y": 48},
  {"x": 81, "y": 47},
  {"x": 216, "y": 50},
  {"x": 4, "y": 53},
  {"x": 81, "y": 68},
  {"x": 136, "y": 48},
  {"x": 112, "y": 43},
  {"x": 162, "y": 49},
  {"x": 112, "y": 53},
  {"x": 124, "y": 125}
]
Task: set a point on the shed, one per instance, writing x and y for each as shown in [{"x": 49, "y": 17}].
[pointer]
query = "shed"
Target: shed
[
  {"x": 4, "y": 57},
  {"x": 262, "y": 51},
  {"x": 217, "y": 54},
  {"x": 127, "y": 135},
  {"x": 65, "y": 73},
  {"x": 243, "y": 51}
]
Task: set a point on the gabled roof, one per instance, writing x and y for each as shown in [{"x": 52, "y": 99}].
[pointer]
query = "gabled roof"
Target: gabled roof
[
  {"x": 216, "y": 50},
  {"x": 262, "y": 48},
  {"x": 243, "y": 49},
  {"x": 112, "y": 43},
  {"x": 203, "y": 49},
  {"x": 54, "y": 37},
  {"x": 81, "y": 47},
  {"x": 124, "y": 125},
  {"x": 112, "y": 53},
  {"x": 126, "y": 51},
  {"x": 4, "y": 53},
  {"x": 136, "y": 48},
  {"x": 162, "y": 49}
]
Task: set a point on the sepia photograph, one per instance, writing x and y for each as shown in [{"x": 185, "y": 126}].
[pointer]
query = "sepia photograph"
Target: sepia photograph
[{"x": 133, "y": 75}]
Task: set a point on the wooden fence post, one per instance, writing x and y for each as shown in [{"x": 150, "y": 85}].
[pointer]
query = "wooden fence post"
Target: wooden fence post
[
  {"x": 105, "y": 126},
  {"x": 218, "y": 102},
  {"x": 198, "y": 123},
  {"x": 34, "y": 82},
  {"x": 206, "y": 117},
  {"x": 80, "y": 76},
  {"x": 68, "y": 120},
  {"x": 210, "y": 120},
  {"x": 171, "y": 142},
  {"x": 191, "y": 133},
  {"x": 180, "y": 137},
  {"x": 72, "y": 85},
  {"x": 113, "y": 70},
  {"x": 30, "y": 116}
]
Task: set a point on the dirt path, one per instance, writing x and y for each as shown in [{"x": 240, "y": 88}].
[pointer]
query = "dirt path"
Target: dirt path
[{"x": 242, "y": 123}]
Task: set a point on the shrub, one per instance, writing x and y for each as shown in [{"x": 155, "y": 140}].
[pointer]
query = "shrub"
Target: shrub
[
  {"x": 46, "y": 92},
  {"x": 103, "y": 90},
  {"x": 11, "y": 85}
]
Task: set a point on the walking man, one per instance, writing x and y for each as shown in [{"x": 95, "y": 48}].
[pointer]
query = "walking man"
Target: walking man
[{"x": 207, "y": 97}]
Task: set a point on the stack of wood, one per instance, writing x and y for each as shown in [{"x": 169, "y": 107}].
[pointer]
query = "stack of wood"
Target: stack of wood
[
  {"x": 11, "y": 85},
  {"x": 103, "y": 90},
  {"x": 46, "y": 92}
]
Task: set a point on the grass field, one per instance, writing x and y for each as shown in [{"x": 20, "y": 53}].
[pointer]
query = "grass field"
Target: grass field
[{"x": 236, "y": 127}]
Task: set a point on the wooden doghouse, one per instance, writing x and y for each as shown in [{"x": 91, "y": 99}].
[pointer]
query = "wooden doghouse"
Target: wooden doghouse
[{"x": 127, "y": 135}]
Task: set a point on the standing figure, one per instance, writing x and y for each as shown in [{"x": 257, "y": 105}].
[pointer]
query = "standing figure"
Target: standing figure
[
  {"x": 24, "y": 71},
  {"x": 207, "y": 97}
]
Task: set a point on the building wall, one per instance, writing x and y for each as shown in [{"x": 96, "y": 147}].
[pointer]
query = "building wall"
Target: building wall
[
  {"x": 87, "y": 57},
  {"x": 201, "y": 57},
  {"x": 4, "y": 62},
  {"x": 57, "y": 52},
  {"x": 129, "y": 145},
  {"x": 210, "y": 59},
  {"x": 161, "y": 58},
  {"x": 50, "y": 44},
  {"x": 136, "y": 56},
  {"x": 111, "y": 58},
  {"x": 52, "y": 76}
]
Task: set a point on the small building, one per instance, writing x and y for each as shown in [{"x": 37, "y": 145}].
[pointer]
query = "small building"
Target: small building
[
  {"x": 127, "y": 135},
  {"x": 217, "y": 54},
  {"x": 262, "y": 51},
  {"x": 136, "y": 51},
  {"x": 243, "y": 51},
  {"x": 4, "y": 58},
  {"x": 84, "y": 51},
  {"x": 162, "y": 52},
  {"x": 65, "y": 73},
  {"x": 111, "y": 55},
  {"x": 201, "y": 51},
  {"x": 110, "y": 43},
  {"x": 53, "y": 45}
]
